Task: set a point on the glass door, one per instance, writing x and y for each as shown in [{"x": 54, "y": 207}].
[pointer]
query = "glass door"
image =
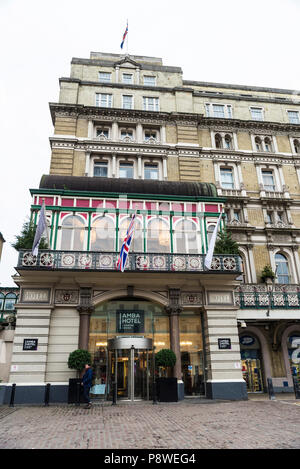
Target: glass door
[
  {"x": 142, "y": 361},
  {"x": 252, "y": 374}
]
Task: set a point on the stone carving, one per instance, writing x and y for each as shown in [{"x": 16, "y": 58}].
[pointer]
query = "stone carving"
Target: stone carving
[{"x": 66, "y": 296}]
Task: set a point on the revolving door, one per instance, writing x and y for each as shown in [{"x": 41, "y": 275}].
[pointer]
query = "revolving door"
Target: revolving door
[{"x": 130, "y": 366}]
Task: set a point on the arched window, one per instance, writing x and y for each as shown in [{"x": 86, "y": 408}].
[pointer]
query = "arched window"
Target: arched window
[
  {"x": 73, "y": 233},
  {"x": 137, "y": 241},
  {"x": 296, "y": 146},
  {"x": 9, "y": 303},
  {"x": 103, "y": 235},
  {"x": 228, "y": 142},
  {"x": 1, "y": 301},
  {"x": 258, "y": 144},
  {"x": 282, "y": 268},
  {"x": 268, "y": 144},
  {"x": 210, "y": 230},
  {"x": 158, "y": 236},
  {"x": 186, "y": 237},
  {"x": 218, "y": 141}
]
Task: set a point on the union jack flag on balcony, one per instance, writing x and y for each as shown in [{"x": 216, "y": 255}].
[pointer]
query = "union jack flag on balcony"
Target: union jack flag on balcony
[{"x": 126, "y": 245}]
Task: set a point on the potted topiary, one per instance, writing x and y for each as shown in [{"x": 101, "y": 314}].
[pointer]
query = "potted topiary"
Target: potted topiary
[
  {"x": 167, "y": 390},
  {"x": 267, "y": 274},
  {"x": 77, "y": 361}
]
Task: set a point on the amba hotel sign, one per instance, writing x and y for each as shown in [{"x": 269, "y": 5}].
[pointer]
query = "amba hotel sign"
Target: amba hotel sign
[{"x": 130, "y": 321}]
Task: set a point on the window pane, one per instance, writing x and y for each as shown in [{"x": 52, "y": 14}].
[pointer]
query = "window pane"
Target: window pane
[
  {"x": 227, "y": 178},
  {"x": 102, "y": 133},
  {"x": 268, "y": 180},
  {"x": 100, "y": 170},
  {"x": 149, "y": 81},
  {"x": 186, "y": 237},
  {"x": 126, "y": 170},
  {"x": 256, "y": 114},
  {"x": 282, "y": 268},
  {"x": 103, "y": 235},
  {"x": 218, "y": 110},
  {"x": 137, "y": 241},
  {"x": 150, "y": 171},
  {"x": 127, "y": 102},
  {"x": 293, "y": 117},
  {"x": 127, "y": 78},
  {"x": 73, "y": 233},
  {"x": 105, "y": 77},
  {"x": 158, "y": 236}
]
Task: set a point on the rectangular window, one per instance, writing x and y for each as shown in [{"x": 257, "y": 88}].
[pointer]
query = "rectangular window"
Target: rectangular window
[
  {"x": 127, "y": 78},
  {"x": 268, "y": 181},
  {"x": 103, "y": 100},
  {"x": 226, "y": 178},
  {"x": 100, "y": 169},
  {"x": 293, "y": 117},
  {"x": 149, "y": 81},
  {"x": 150, "y": 135},
  {"x": 126, "y": 170},
  {"x": 127, "y": 102},
  {"x": 257, "y": 113},
  {"x": 150, "y": 171},
  {"x": 150, "y": 104},
  {"x": 102, "y": 132},
  {"x": 223, "y": 111},
  {"x": 126, "y": 134},
  {"x": 269, "y": 217},
  {"x": 105, "y": 77}
]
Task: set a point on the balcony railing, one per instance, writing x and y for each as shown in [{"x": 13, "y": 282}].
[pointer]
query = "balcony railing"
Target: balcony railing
[
  {"x": 260, "y": 296},
  {"x": 106, "y": 261}
]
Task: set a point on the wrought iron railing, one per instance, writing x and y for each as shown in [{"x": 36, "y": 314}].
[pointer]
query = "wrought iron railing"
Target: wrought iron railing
[
  {"x": 105, "y": 261},
  {"x": 261, "y": 296}
]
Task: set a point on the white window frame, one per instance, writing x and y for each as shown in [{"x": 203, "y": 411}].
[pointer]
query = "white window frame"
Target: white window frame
[
  {"x": 101, "y": 162},
  {"x": 148, "y": 130},
  {"x": 127, "y": 82},
  {"x": 231, "y": 169},
  {"x": 146, "y": 103},
  {"x": 149, "y": 84},
  {"x": 252, "y": 108},
  {"x": 269, "y": 170},
  {"x": 150, "y": 163},
  {"x": 108, "y": 99},
  {"x": 103, "y": 128},
  {"x": 108, "y": 74},
  {"x": 228, "y": 110},
  {"x": 132, "y": 101},
  {"x": 127, "y": 129},
  {"x": 121, "y": 160},
  {"x": 296, "y": 112}
]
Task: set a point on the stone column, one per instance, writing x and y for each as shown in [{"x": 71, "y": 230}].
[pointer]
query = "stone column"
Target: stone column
[
  {"x": 85, "y": 308},
  {"x": 174, "y": 310}
]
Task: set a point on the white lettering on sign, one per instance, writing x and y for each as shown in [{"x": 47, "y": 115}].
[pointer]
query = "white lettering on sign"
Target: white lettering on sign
[
  {"x": 35, "y": 296},
  {"x": 220, "y": 298}
]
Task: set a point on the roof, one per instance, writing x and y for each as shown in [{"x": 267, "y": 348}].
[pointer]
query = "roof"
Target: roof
[{"x": 128, "y": 186}]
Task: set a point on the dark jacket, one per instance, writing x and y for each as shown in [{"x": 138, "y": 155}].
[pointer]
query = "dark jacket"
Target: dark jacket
[{"x": 88, "y": 377}]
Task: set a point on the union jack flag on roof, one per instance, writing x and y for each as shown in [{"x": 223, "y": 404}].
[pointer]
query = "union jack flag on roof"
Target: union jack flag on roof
[
  {"x": 124, "y": 36},
  {"x": 126, "y": 245}
]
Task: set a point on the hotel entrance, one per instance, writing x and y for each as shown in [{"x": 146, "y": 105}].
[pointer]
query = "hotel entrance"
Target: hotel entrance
[{"x": 130, "y": 367}]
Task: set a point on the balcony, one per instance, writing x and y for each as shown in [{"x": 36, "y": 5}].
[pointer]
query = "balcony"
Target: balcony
[
  {"x": 136, "y": 262},
  {"x": 261, "y": 296}
]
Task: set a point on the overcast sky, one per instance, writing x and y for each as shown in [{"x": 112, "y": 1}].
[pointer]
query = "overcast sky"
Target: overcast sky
[{"x": 234, "y": 41}]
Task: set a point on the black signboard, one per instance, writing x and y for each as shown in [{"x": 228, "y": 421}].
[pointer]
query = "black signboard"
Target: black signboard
[
  {"x": 30, "y": 344},
  {"x": 130, "y": 321},
  {"x": 224, "y": 343}
]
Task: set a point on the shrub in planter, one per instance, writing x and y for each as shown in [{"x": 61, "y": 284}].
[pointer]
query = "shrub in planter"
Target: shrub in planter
[
  {"x": 267, "y": 272},
  {"x": 166, "y": 387},
  {"x": 77, "y": 361}
]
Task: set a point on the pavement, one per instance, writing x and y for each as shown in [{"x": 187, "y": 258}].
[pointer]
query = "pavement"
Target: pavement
[{"x": 258, "y": 423}]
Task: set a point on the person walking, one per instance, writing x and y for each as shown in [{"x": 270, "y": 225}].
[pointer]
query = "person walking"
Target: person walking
[{"x": 87, "y": 384}]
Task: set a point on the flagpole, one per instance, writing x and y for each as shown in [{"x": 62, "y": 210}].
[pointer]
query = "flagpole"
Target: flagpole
[{"x": 127, "y": 36}]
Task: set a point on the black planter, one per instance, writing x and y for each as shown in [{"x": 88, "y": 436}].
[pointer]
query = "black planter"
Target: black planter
[
  {"x": 167, "y": 390},
  {"x": 75, "y": 388}
]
